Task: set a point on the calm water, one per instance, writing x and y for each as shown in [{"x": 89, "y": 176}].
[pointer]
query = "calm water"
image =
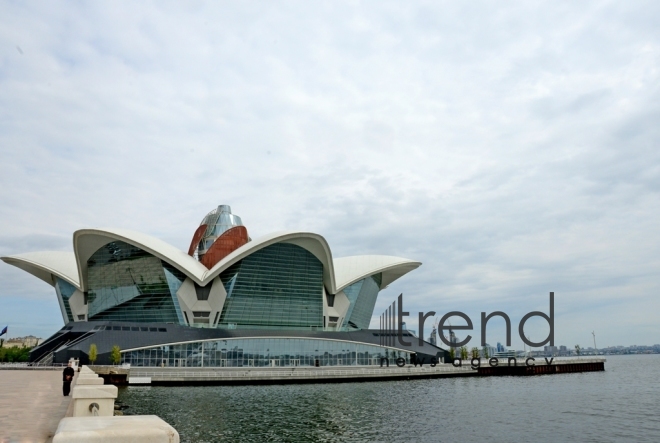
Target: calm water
[{"x": 620, "y": 404}]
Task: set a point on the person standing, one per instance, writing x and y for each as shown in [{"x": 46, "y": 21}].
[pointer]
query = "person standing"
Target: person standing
[{"x": 67, "y": 377}]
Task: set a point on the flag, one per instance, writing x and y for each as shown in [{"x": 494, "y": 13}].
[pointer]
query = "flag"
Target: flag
[{"x": 4, "y": 331}]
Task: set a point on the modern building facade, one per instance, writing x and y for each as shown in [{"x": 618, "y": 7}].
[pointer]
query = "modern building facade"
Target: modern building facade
[{"x": 278, "y": 300}]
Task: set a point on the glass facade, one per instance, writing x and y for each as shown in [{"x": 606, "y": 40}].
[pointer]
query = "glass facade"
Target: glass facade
[
  {"x": 264, "y": 352},
  {"x": 64, "y": 291},
  {"x": 278, "y": 286},
  {"x": 126, "y": 283},
  {"x": 362, "y": 295},
  {"x": 174, "y": 279}
]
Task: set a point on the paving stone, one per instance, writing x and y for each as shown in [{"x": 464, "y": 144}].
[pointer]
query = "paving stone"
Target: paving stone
[{"x": 31, "y": 405}]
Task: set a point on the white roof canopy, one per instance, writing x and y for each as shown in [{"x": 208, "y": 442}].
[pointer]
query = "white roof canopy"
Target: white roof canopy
[{"x": 337, "y": 273}]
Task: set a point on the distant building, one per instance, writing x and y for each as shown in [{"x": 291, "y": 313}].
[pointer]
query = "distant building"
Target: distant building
[
  {"x": 433, "y": 337},
  {"x": 21, "y": 342},
  {"x": 452, "y": 339},
  {"x": 550, "y": 350}
]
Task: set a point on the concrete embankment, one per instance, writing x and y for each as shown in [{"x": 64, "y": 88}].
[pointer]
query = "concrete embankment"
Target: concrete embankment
[{"x": 338, "y": 374}]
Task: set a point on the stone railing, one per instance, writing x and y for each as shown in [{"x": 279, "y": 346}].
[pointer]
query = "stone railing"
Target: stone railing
[{"x": 93, "y": 417}]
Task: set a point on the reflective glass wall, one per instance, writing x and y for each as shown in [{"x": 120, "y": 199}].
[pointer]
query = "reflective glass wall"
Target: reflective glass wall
[
  {"x": 362, "y": 296},
  {"x": 263, "y": 352},
  {"x": 64, "y": 291},
  {"x": 126, "y": 283},
  {"x": 278, "y": 286}
]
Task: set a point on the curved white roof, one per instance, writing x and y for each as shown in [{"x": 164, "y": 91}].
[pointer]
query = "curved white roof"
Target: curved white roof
[
  {"x": 314, "y": 243},
  {"x": 87, "y": 241},
  {"x": 337, "y": 273},
  {"x": 44, "y": 265},
  {"x": 349, "y": 270}
]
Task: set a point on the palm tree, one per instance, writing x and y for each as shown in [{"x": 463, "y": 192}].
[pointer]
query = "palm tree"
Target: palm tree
[
  {"x": 475, "y": 352},
  {"x": 484, "y": 352}
]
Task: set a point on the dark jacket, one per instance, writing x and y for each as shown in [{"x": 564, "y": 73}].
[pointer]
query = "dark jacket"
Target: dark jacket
[{"x": 68, "y": 372}]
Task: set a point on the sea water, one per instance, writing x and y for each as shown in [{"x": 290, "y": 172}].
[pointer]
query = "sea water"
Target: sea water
[{"x": 620, "y": 404}]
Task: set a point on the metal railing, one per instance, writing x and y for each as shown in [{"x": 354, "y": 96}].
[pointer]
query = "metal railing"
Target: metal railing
[{"x": 224, "y": 373}]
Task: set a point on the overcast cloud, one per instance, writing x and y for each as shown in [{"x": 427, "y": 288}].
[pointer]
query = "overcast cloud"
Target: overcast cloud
[{"x": 513, "y": 149}]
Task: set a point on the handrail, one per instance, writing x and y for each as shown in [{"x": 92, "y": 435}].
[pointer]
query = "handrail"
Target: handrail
[{"x": 307, "y": 373}]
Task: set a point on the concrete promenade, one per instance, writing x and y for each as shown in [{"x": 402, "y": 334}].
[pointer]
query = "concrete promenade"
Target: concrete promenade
[
  {"x": 268, "y": 375},
  {"x": 31, "y": 404}
]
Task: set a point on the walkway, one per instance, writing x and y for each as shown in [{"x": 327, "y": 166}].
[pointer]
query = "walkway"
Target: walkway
[
  {"x": 301, "y": 374},
  {"x": 31, "y": 405}
]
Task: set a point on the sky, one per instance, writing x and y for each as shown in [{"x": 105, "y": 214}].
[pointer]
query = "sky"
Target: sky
[{"x": 511, "y": 148}]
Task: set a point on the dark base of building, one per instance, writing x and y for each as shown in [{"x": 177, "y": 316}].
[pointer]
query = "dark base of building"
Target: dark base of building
[{"x": 75, "y": 339}]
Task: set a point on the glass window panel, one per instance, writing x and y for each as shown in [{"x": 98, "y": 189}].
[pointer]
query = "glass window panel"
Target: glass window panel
[
  {"x": 263, "y": 352},
  {"x": 128, "y": 284},
  {"x": 279, "y": 286}
]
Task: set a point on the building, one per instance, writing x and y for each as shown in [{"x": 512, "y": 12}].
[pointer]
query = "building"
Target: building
[
  {"x": 21, "y": 342},
  {"x": 230, "y": 300},
  {"x": 550, "y": 351}
]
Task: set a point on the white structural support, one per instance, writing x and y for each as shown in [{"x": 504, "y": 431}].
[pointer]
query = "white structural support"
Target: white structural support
[
  {"x": 132, "y": 428},
  {"x": 192, "y": 306}
]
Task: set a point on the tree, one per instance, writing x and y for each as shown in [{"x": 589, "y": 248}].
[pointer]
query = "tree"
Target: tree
[
  {"x": 464, "y": 353},
  {"x": 484, "y": 351},
  {"x": 93, "y": 353},
  {"x": 115, "y": 355},
  {"x": 452, "y": 353},
  {"x": 475, "y": 352},
  {"x": 577, "y": 350},
  {"x": 14, "y": 354}
]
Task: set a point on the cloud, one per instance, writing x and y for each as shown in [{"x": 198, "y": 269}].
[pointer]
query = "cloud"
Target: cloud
[{"x": 511, "y": 149}]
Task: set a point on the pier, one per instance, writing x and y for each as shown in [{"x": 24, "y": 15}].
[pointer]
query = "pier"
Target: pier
[
  {"x": 269, "y": 375},
  {"x": 540, "y": 366},
  {"x": 341, "y": 374}
]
